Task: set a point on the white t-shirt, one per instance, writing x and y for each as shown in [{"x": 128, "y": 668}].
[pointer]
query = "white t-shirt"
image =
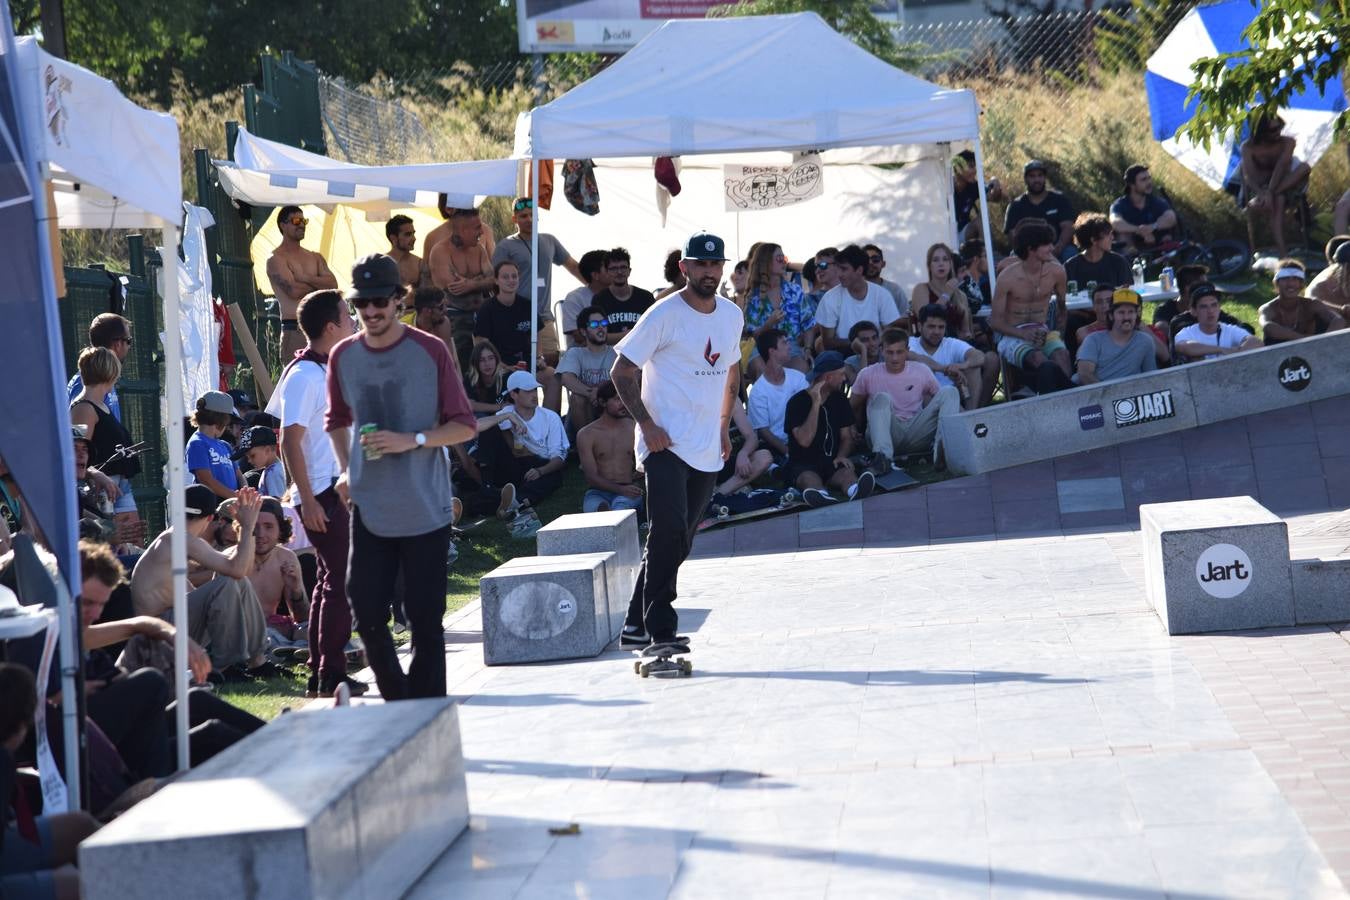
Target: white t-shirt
[
  {"x": 544, "y": 434},
  {"x": 302, "y": 399},
  {"x": 950, "y": 351},
  {"x": 1228, "y": 337},
  {"x": 767, "y": 402},
  {"x": 838, "y": 309},
  {"x": 685, "y": 356}
]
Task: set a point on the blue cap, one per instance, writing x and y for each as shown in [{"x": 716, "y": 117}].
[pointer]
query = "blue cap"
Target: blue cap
[
  {"x": 705, "y": 246},
  {"x": 829, "y": 361}
]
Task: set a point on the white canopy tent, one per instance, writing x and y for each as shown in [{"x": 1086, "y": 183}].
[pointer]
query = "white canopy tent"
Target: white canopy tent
[
  {"x": 756, "y": 84},
  {"x": 112, "y": 164}
]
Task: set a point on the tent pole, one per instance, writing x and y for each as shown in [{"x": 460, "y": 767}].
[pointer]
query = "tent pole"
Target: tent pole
[
  {"x": 534, "y": 263},
  {"x": 984, "y": 213},
  {"x": 173, "y": 386}
]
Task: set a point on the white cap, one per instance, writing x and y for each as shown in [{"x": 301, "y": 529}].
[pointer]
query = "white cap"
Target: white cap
[{"x": 522, "y": 380}]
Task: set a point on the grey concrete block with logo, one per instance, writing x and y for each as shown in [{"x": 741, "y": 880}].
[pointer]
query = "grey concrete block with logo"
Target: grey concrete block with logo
[
  {"x": 615, "y": 532},
  {"x": 1321, "y": 591},
  {"x": 1271, "y": 378},
  {"x": 540, "y": 608},
  {"x": 1216, "y": 565},
  {"x": 367, "y": 799}
]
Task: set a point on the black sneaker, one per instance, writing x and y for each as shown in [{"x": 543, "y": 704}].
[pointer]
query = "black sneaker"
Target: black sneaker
[
  {"x": 312, "y": 686},
  {"x": 634, "y": 640},
  {"x": 816, "y": 498},
  {"x": 867, "y": 483},
  {"x": 328, "y": 685},
  {"x": 269, "y": 669},
  {"x": 236, "y": 674}
]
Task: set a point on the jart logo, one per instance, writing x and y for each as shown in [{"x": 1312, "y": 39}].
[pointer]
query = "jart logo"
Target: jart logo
[
  {"x": 1295, "y": 373},
  {"x": 1090, "y": 417},
  {"x": 709, "y": 355},
  {"x": 1143, "y": 408},
  {"x": 1224, "y": 571}
]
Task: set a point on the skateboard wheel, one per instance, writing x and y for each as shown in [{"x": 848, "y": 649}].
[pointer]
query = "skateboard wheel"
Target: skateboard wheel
[
  {"x": 686, "y": 666},
  {"x": 637, "y": 666},
  {"x": 644, "y": 672}
]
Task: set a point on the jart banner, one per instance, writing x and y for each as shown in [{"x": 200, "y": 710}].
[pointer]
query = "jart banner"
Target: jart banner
[{"x": 749, "y": 188}]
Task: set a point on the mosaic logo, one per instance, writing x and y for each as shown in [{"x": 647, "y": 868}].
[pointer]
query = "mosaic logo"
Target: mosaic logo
[
  {"x": 1142, "y": 408},
  {"x": 1224, "y": 571},
  {"x": 1295, "y": 374},
  {"x": 981, "y": 430},
  {"x": 1090, "y": 417}
]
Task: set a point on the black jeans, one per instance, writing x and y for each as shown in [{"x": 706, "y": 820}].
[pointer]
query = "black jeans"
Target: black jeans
[
  {"x": 213, "y": 724},
  {"x": 677, "y": 496},
  {"x": 373, "y": 565},
  {"x": 500, "y": 467},
  {"x": 130, "y": 710}
]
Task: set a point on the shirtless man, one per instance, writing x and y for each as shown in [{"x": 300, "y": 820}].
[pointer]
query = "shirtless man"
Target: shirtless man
[
  {"x": 442, "y": 232},
  {"x": 402, "y": 238},
  {"x": 224, "y": 615},
  {"x": 276, "y": 571},
  {"x": 460, "y": 265},
  {"x": 1024, "y": 312},
  {"x": 294, "y": 272},
  {"x": 606, "y": 450},
  {"x": 1291, "y": 316},
  {"x": 1270, "y": 171},
  {"x": 1332, "y": 284}
]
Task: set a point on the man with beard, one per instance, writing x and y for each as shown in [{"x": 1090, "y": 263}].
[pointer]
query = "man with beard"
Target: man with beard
[
  {"x": 275, "y": 575},
  {"x": 1123, "y": 350},
  {"x": 584, "y": 368},
  {"x": 1039, "y": 202},
  {"x": 605, "y": 448},
  {"x": 680, "y": 361},
  {"x": 402, "y": 237},
  {"x": 294, "y": 272},
  {"x": 394, "y": 400}
]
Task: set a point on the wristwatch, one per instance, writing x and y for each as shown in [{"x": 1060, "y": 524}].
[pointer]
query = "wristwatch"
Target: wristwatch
[{"x": 421, "y": 439}]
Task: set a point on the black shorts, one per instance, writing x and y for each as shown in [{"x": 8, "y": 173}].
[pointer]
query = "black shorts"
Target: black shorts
[{"x": 794, "y": 469}]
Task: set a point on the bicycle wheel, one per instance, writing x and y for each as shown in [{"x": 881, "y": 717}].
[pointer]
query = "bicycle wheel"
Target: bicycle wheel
[{"x": 1227, "y": 259}]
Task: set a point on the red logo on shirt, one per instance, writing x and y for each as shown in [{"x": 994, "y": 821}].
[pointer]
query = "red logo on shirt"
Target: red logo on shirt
[{"x": 710, "y": 356}]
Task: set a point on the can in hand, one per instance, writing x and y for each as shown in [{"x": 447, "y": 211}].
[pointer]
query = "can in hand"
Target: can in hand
[{"x": 368, "y": 451}]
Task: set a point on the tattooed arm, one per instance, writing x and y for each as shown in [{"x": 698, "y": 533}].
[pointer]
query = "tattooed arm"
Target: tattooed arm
[{"x": 627, "y": 378}]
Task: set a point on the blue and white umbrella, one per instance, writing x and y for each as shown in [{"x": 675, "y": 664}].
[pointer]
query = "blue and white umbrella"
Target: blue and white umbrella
[{"x": 1208, "y": 31}]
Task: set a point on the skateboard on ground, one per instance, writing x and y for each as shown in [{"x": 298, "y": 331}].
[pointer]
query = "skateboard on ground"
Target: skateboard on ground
[
  {"x": 721, "y": 515},
  {"x": 660, "y": 664},
  {"x": 894, "y": 480}
]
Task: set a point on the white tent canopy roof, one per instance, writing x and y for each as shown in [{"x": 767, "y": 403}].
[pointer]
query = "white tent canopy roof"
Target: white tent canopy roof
[
  {"x": 266, "y": 173},
  {"x": 114, "y": 164},
  {"x": 736, "y": 85}
]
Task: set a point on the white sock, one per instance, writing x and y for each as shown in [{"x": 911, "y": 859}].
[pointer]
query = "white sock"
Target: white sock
[{"x": 852, "y": 489}]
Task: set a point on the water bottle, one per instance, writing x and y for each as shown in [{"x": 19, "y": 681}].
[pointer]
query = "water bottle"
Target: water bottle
[{"x": 1138, "y": 272}]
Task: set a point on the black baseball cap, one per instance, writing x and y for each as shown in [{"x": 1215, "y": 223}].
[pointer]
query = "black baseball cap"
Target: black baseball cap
[
  {"x": 705, "y": 245},
  {"x": 257, "y": 436},
  {"x": 1033, "y": 165},
  {"x": 200, "y": 500},
  {"x": 1205, "y": 289},
  {"x": 375, "y": 275},
  {"x": 829, "y": 361},
  {"x": 242, "y": 399}
]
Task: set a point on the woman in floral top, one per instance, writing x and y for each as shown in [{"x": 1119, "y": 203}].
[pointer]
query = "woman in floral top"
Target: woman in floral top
[{"x": 776, "y": 301}]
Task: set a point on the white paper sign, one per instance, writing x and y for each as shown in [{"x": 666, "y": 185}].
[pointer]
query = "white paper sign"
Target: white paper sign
[
  {"x": 54, "y": 799},
  {"x": 750, "y": 188}
]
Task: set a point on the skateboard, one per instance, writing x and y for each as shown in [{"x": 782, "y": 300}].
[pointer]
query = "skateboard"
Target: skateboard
[
  {"x": 661, "y": 664},
  {"x": 894, "y": 480},
  {"x": 791, "y": 499}
]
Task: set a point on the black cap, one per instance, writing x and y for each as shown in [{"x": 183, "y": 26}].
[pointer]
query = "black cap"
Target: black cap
[
  {"x": 1032, "y": 166},
  {"x": 257, "y": 436},
  {"x": 829, "y": 361},
  {"x": 1204, "y": 289},
  {"x": 242, "y": 398},
  {"x": 200, "y": 500},
  {"x": 375, "y": 275},
  {"x": 706, "y": 246}
]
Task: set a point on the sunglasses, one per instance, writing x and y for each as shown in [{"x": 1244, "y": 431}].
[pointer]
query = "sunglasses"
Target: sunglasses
[
  {"x": 822, "y": 266},
  {"x": 127, "y": 339},
  {"x": 598, "y": 323},
  {"x": 297, "y": 220},
  {"x": 380, "y": 302},
  {"x": 871, "y": 258},
  {"x": 523, "y": 204}
]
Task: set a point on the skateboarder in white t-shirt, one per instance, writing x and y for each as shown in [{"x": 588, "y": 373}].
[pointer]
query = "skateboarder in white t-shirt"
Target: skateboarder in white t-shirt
[{"x": 678, "y": 364}]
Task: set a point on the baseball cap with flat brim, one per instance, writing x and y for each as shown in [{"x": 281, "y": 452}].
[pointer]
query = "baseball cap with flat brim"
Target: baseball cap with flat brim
[
  {"x": 375, "y": 275},
  {"x": 257, "y": 436},
  {"x": 705, "y": 246},
  {"x": 1126, "y": 297},
  {"x": 199, "y": 500}
]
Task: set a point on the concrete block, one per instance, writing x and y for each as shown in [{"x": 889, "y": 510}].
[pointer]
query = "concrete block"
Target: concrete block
[
  {"x": 614, "y": 532},
  {"x": 1284, "y": 375},
  {"x": 1216, "y": 565},
  {"x": 353, "y": 803},
  {"x": 539, "y": 608},
  {"x": 1321, "y": 591}
]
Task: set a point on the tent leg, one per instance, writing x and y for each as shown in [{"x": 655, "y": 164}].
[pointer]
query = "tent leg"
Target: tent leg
[
  {"x": 262, "y": 376},
  {"x": 984, "y": 214},
  {"x": 534, "y": 276}
]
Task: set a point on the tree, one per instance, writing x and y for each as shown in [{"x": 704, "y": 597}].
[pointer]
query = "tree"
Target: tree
[
  {"x": 1299, "y": 36},
  {"x": 853, "y": 19},
  {"x": 1126, "y": 42}
]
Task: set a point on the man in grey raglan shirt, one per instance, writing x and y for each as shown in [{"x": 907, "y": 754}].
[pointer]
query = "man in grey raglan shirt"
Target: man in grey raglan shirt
[{"x": 388, "y": 426}]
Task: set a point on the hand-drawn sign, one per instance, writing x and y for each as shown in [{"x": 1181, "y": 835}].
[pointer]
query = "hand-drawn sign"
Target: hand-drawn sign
[{"x": 772, "y": 187}]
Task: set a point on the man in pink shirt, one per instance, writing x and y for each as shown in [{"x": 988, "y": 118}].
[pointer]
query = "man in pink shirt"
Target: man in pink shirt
[{"x": 903, "y": 403}]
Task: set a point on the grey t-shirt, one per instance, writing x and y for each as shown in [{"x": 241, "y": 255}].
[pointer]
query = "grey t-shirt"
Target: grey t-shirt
[
  {"x": 1114, "y": 361},
  {"x": 409, "y": 386},
  {"x": 592, "y": 366},
  {"x": 551, "y": 253}
]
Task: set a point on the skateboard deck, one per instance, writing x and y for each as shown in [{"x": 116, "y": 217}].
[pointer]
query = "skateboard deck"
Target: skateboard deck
[
  {"x": 660, "y": 663},
  {"x": 791, "y": 500},
  {"x": 894, "y": 480}
]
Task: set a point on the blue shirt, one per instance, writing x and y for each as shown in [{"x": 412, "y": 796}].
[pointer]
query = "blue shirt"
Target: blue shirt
[
  {"x": 212, "y": 453},
  {"x": 798, "y": 315},
  {"x": 1154, "y": 209},
  {"x": 114, "y": 405}
]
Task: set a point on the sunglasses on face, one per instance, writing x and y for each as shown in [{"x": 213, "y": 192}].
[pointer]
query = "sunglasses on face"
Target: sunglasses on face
[
  {"x": 598, "y": 323},
  {"x": 380, "y": 302},
  {"x": 297, "y": 220},
  {"x": 871, "y": 258},
  {"x": 126, "y": 339},
  {"x": 822, "y": 266},
  {"x": 523, "y": 204}
]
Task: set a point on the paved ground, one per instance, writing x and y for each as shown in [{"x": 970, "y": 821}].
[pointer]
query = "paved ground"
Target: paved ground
[{"x": 983, "y": 719}]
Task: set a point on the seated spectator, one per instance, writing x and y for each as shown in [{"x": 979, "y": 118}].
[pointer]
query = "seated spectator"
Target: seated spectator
[
  {"x": 1270, "y": 174},
  {"x": 114, "y": 332},
  {"x": 99, "y": 370},
  {"x": 585, "y": 367},
  {"x": 1039, "y": 202},
  {"x": 487, "y": 378},
  {"x": 605, "y": 448},
  {"x": 1332, "y": 284},
  {"x": 902, "y": 401},
  {"x": 258, "y": 447},
  {"x": 736, "y": 289},
  {"x": 1290, "y": 315},
  {"x": 748, "y": 460},
  {"x": 1024, "y": 313},
  {"x": 1123, "y": 349},
  {"x": 1101, "y": 310},
  {"x": 674, "y": 275},
  {"x": 209, "y": 458},
  {"x": 1185, "y": 316},
  {"x": 1209, "y": 336},
  {"x": 769, "y": 395},
  {"x": 276, "y": 575},
  {"x": 504, "y": 319},
  {"x": 244, "y": 404},
  {"x": 776, "y": 302},
  {"x": 942, "y": 290},
  {"x": 864, "y": 339},
  {"x": 1096, "y": 261},
  {"x": 854, "y": 299},
  {"x": 1140, "y": 218},
  {"x": 532, "y": 460},
  {"x": 224, "y": 615},
  {"x": 622, "y": 302},
  {"x": 1188, "y": 276},
  {"x": 973, "y": 276},
  {"x": 966, "y": 194},
  {"x": 37, "y": 853},
  {"x": 876, "y": 261},
  {"x": 96, "y": 493},
  {"x": 821, "y": 426},
  {"x": 953, "y": 362},
  {"x": 594, "y": 272}
]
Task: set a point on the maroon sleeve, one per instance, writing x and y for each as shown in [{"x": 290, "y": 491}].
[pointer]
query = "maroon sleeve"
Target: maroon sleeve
[
  {"x": 339, "y": 414},
  {"x": 453, "y": 401}
]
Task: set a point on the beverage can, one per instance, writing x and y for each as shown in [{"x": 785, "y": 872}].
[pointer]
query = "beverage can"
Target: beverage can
[
  {"x": 1072, "y": 287},
  {"x": 1166, "y": 279},
  {"x": 368, "y": 451}
]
